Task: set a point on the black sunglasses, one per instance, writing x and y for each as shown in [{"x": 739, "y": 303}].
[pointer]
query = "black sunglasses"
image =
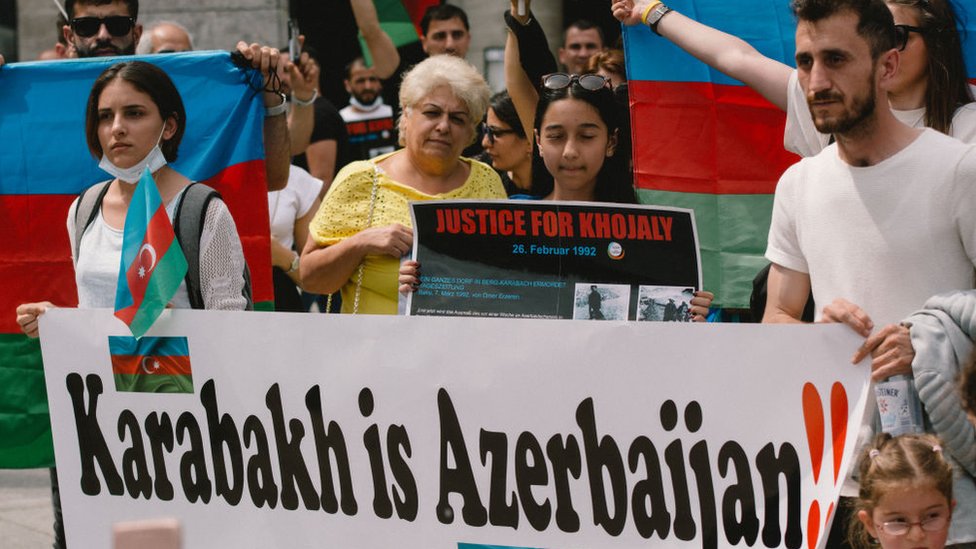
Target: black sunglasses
[
  {"x": 902, "y": 33},
  {"x": 117, "y": 25},
  {"x": 494, "y": 133},
  {"x": 589, "y": 82}
]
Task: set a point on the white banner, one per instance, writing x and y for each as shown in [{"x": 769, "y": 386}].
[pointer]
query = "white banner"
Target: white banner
[{"x": 307, "y": 430}]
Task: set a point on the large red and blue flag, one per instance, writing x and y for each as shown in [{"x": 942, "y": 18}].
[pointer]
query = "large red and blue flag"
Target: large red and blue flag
[
  {"x": 705, "y": 141},
  {"x": 152, "y": 265},
  {"x": 45, "y": 163}
]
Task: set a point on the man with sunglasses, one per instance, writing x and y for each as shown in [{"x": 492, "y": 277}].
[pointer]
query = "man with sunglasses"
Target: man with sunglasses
[{"x": 99, "y": 28}]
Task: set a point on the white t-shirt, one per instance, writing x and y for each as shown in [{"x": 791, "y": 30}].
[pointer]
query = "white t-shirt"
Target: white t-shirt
[
  {"x": 221, "y": 261},
  {"x": 291, "y": 203},
  {"x": 802, "y": 137},
  {"x": 885, "y": 237}
]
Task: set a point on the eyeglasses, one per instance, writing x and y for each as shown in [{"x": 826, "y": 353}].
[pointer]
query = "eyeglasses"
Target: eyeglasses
[
  {"x": 117, "y": 25},
  {"x": 902, "y": 33},
  {"x": 935, "y": 523},
  {"x": 494, "y": 133},
  {"x": 589, "y": 82}
]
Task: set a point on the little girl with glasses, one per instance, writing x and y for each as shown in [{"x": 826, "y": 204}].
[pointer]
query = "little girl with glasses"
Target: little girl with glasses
[{"x": 905, "y": 497}]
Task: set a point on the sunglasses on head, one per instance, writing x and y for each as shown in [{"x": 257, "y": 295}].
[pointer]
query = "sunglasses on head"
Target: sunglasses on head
[
  {"x": 117, "y": 25},
  {"x": 902, "y": 33},
  {"x": 589, "y": 82},
  {"x": 494, "y": 133}
]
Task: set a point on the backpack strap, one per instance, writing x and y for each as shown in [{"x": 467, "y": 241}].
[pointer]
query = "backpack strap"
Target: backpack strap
[
  {"x": 191, "y": 213},
  {"x": 89, "y": 203}
]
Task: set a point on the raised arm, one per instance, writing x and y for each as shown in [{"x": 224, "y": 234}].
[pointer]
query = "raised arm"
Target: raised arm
[
  {"x": 277, "y": 149},
  {"x": 723, "y": 52},
  {"x": 533, "y": 47},
  {"x": 303, "y": 75},
  {"x": 380, "y": 45},
  {"x": 523, "y": 92}
]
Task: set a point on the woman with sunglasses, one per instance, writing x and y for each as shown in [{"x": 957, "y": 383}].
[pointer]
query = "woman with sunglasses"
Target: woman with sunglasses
[
  {"x": 508, "y": 150},
  {"x": 577, "y": 121},
  {"x": 930, "y": 89}
]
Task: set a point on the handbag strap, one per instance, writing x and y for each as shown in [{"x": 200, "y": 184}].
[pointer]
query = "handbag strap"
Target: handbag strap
[{"x": 362, "y": 265}]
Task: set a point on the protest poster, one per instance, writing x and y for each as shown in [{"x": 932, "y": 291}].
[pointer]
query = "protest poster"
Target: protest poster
[
  {"x": 283, "y": 430},
  {"x": 545, "y": 259}
]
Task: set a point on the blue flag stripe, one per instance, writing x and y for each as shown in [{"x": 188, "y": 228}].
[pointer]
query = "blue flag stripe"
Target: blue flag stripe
[
  {"x": 768, "y": 25},
  {"x": 148, "y": 345},
  {"x": 43, "y": 104}
]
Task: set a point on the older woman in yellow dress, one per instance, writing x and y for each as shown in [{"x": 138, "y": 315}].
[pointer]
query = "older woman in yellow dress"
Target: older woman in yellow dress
[{"x": 363, "y": 228}]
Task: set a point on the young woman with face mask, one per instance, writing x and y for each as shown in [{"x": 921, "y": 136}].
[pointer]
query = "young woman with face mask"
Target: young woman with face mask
[{"x": 135, "y": 120}]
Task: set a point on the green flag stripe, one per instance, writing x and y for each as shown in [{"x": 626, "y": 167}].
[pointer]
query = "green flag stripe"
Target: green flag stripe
[
  {"x": 165, "y": 279},
  {"x": 732, "y": 231},
  {"x": 156, "y": 383},
  {"x": 25, "y": 428}
]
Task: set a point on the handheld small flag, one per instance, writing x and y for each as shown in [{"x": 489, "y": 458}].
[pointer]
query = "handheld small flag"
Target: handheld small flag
[
  {"x": 152, "y": 265},
  {"x": 151, "y": 364}
]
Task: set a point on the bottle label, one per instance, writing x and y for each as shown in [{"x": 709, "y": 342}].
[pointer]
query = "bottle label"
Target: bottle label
[{"x": 899, "y": 406}]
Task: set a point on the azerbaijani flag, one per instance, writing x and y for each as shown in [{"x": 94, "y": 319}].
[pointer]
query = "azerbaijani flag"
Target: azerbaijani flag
[
  {"x": 708, "y": 142},
  {"x": 151, "y": 364},
  {"x": 400, "y": 20},
  {"x": 45, "y": 163},
  {"x": 152, "y": 265}
]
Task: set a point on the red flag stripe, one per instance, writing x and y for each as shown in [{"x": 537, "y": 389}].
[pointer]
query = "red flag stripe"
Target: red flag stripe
[
  {"x": 151, "y": 365},
  {"x": 159, "y": 235},
  {"x": 734, "y": 135}
]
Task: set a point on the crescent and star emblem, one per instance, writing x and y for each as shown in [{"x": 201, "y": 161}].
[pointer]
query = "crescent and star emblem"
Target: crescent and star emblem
[
  {"x": 150, "y": 365},
  {"x": 143, "y": 268}
]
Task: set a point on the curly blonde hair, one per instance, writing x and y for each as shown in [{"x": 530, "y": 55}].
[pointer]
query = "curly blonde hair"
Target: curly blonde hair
[{"x": 465, "y": 82}]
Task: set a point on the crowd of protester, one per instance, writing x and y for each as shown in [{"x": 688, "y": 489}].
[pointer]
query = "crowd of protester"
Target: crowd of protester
[{"x": 879, "y": 104}]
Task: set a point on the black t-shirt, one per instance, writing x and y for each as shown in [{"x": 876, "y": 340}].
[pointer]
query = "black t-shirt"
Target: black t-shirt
[{"x": 328, "y": 125}]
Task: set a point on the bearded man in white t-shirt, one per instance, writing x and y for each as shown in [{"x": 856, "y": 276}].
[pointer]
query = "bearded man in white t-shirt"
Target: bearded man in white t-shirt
[{"x": 882, "y": 219}]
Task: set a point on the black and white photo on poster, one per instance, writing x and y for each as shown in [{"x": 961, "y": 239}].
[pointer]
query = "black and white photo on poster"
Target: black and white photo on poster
[
  {"x": 601, "y": 301},
  {"x": 665, "y": 303}
]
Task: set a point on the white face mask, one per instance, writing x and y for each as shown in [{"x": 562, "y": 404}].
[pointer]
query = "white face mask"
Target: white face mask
[
  {"x": 154, "y": 161},
  {"x": 377, "y": 103}
]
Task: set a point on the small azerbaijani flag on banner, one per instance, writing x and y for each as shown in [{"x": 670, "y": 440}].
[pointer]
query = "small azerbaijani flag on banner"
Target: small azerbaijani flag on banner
[
  {"x": 153, "y": 265},
  {"x": 151, "y": 364}
]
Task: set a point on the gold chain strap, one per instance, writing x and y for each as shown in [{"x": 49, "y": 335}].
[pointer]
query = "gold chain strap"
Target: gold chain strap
[{"x": 369, "y": 223}]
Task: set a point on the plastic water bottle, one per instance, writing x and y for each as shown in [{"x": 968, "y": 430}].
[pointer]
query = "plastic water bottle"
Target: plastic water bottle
[{"x": 899, "y": 405}]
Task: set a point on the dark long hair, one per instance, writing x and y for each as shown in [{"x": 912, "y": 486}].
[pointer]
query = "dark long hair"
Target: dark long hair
[
  {"x": 948, "y": 86},
  {"x": 501, "y": 104},
  {"x": 614, "y": 182},
  {"x": 150, "y": 80}
]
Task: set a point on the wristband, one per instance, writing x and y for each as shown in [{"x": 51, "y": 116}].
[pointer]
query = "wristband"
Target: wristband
[
  {"x": 647, "y": 11},
  {"x": 655, "y": 16},
  {"x": 300, "y": 103},
  {"x": 277, "y": 110}
]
